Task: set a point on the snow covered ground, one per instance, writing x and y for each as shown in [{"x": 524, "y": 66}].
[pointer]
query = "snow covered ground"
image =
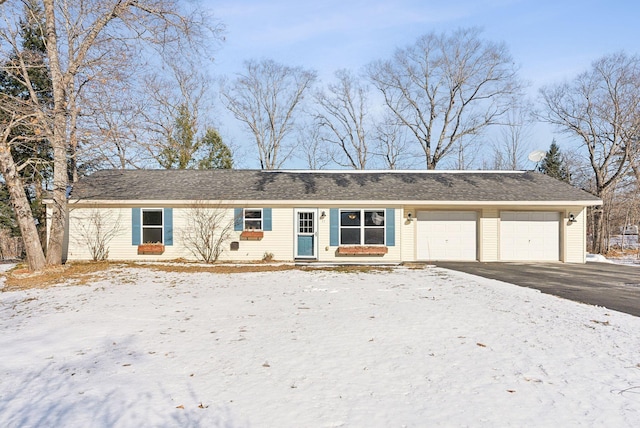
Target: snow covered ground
[
  {"x": 627, "y": 249},
  {"x": 426, "y": 347},
  {"x": 624, "y": 241}
]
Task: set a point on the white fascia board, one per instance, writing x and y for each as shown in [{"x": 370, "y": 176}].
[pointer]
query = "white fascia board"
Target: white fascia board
[{"x": 329, "y": 203}]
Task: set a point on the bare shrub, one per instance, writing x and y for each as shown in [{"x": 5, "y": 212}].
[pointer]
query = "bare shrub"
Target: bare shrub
[
  {"x": 206, "y": 231},
  {"x": 96, "y": 231}
]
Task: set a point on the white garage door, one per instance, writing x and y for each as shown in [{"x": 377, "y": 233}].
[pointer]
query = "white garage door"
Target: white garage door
[
  {"x": 446, "y": 235},
  {"x": 529, "y": 236}
]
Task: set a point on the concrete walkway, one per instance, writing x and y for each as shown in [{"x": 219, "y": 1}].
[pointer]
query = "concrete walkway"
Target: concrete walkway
[{"x": 613, "y": 286}]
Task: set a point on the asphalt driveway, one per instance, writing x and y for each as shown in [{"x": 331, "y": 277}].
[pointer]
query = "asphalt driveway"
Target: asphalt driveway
[{"x": 613, "y": 286}]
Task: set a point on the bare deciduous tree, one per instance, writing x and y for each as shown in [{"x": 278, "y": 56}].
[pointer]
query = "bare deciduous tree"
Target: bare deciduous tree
[
  {"x": 447, "y": 87},
  {"x": 343, "y": 113},
  {"x": 313, "y": 147},
  {"x": 391, "y": 145},
  {"x": 25, "y": 87},
  {"x": 464, "y": 153},
  {"x": 601, "y": 108},
  {"x": 175, "y": 115},
  {"x": 15, "y": 186},
  {"x": 265, "y": 98},
  {"x": 112, "y": 128},
  {"x": 512, "y": 146},
  {"x": 634, "y": 160},
  {"x": 82, "y": 39},
  {"x": 206, "y": 231},
  {"x": 96, "y": 230}
]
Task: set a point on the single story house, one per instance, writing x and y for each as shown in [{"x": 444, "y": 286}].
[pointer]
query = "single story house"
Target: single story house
[{"x": 330, "y": 216}]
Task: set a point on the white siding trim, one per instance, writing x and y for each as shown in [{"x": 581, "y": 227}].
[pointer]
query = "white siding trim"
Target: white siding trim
[
  {"x": 489, "y": 225},
  {"x": 331, "y": 203}
]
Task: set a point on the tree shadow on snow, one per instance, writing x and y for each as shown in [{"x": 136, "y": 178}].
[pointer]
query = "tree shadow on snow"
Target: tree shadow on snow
[{"x": 67, "y": 391}]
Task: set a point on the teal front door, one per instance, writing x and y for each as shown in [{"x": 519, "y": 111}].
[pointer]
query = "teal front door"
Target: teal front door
[{"x": 305, "y": 234}]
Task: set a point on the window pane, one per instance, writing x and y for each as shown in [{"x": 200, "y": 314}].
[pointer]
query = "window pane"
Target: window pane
[
  {"x": 350, "y": 218},
  {"x": 305, "y": 223},
  {"x": 374, "y": 218},
  {"x": 253, "y": 224},
  {"x": 350, "y": 236},
  {"x": 152, "y": 218},
  {"x": 151, "y": 234},
  {"x": 253, "y": 214},
  {"x": 374, "y": 236}
]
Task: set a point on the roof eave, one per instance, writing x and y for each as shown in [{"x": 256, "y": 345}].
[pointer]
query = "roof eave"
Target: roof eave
[{"x": 330, "y": 202}]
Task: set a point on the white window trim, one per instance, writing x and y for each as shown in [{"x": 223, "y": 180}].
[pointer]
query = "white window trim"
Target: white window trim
[
  {"x": 142, "y": 226},
  {"x": 362, "y": 227},
  {"x": 244, "y": 219}
]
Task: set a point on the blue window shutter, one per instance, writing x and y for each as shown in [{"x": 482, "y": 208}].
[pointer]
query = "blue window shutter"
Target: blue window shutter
[
  {"x": 237, "y": 219},
  {"x": 334, "y": 227},
  {"x": 390, "y": 222},
  {"x": 168, "y": 226},
  {"x": 266, "y": 219},
  {"x": 135, "y": 226}
]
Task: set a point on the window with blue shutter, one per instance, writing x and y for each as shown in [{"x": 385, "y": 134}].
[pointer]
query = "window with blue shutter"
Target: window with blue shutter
[
  {"x": 151, "y": 225},
  {"x": 257, "y": 219},
  {"x": 362, "y": 227}
]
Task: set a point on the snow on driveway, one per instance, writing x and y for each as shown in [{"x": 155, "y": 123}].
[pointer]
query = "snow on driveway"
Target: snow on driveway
[{"x": 426, "y": 347}]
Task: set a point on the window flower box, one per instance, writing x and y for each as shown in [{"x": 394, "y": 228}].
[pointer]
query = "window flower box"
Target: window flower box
[
  {"x": 252, "y": 235},
  {"x": 151, "y": 249},
  {"x": 362, "y": 251}
]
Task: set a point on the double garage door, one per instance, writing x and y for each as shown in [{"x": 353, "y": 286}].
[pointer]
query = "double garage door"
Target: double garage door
[{"x": 523, "y": 236}]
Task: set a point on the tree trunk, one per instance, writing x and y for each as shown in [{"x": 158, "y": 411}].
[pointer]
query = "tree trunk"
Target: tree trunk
[
  {"x": 57, "y": 140},
  {"x": 58, "y": 211},
  {"x": 601, "y": 216},
  {"x": 20, "y": 204},
  {"x": 73, "y": 131},
  {"x": 598, "y": 232},
  {"x": 40, "y": 214}
]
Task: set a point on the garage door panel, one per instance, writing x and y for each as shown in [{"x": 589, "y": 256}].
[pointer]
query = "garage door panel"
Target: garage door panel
[
  {"x": 446, "y": 235},
  {"x": 530, "y": 236}
]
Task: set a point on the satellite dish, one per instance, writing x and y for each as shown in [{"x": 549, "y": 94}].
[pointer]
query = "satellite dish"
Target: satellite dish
[{"x": 537, "y": 155}]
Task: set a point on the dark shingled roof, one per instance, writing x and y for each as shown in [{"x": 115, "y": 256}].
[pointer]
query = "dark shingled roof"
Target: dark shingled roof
[{"x": 258, "y": 185}]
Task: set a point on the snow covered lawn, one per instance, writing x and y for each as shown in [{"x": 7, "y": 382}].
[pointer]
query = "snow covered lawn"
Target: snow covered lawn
[{"x": 423, "y": 347}]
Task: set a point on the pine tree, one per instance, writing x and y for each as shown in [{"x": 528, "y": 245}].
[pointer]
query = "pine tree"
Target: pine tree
[
  {"x": 181, "y": 145},
  {"x": 7, "y": 218},
  {"x": 32, "y": 153},
  {"x": 554, "y": 164},
  {"x": 217, "y": 153},
  {"x": 185, "y": 150}
]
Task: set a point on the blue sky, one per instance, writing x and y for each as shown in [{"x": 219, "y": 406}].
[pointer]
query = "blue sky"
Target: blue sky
[{"x": 550, "y": 40}]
